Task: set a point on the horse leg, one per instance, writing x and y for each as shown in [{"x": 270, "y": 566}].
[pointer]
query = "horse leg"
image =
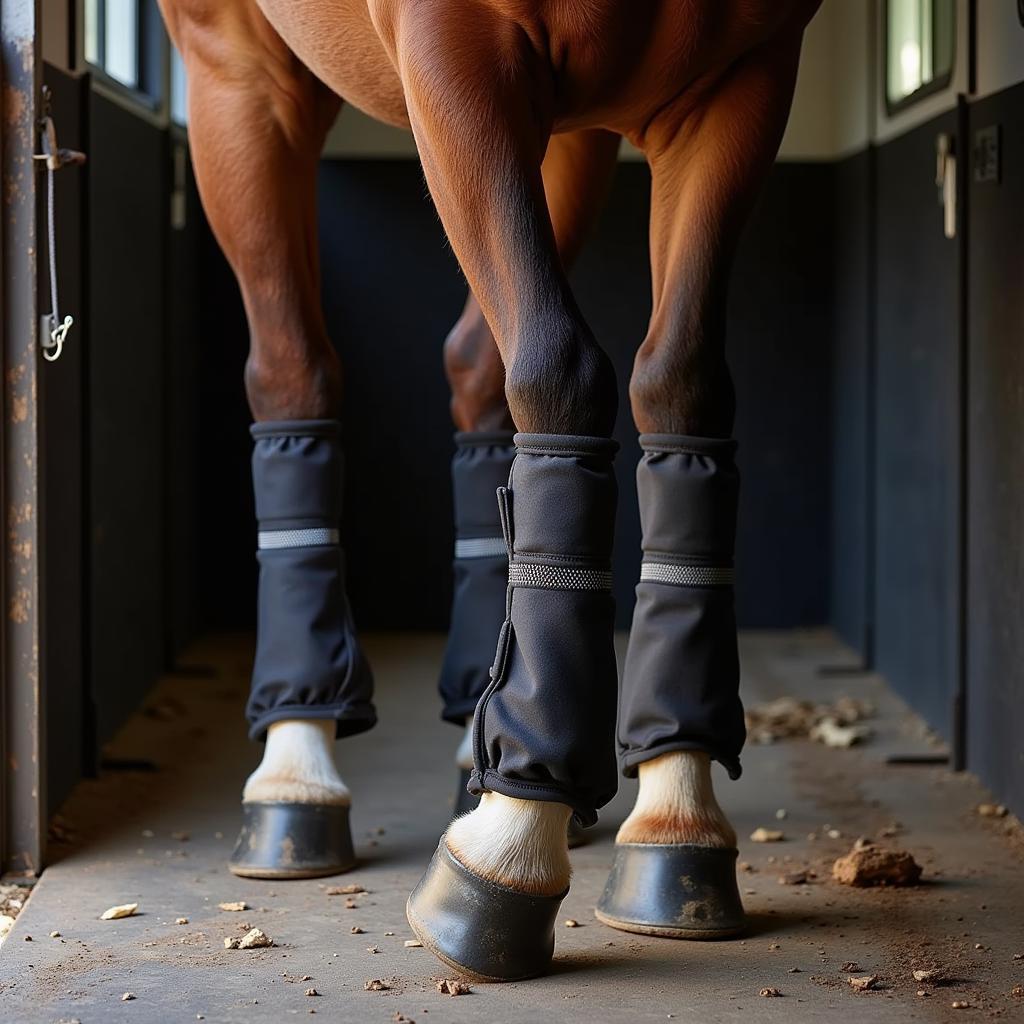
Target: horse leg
[
  {"x": 576, "y": 171},
  {"x": 544, "y": 727},
  {"x": 257, "y": 121},
  {"x": 679, "y": 704}
]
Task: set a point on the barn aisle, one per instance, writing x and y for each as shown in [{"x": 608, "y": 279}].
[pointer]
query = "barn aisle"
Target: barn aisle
[{"x": 156, "y": 829}]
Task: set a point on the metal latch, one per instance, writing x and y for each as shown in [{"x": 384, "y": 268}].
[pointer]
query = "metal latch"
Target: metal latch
[{"x": 945, "y": 181}]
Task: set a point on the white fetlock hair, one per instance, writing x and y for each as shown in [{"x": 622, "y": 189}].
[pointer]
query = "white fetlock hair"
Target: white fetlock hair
[
  {"x": 298, "y": 766},
  {"x": 520, "y": 844},
  {"x": 677, "y": 804}
]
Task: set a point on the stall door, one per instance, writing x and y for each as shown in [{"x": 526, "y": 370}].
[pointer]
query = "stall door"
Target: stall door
[{"x": 918, "y": 401}]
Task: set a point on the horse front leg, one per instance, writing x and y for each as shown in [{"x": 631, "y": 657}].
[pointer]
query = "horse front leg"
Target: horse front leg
[
  {"x": 544, "y": 726},
  {"x": 576, "y": 171},
  {"x": 257, "y": 121},
  {"x": 674, "y": 872}
]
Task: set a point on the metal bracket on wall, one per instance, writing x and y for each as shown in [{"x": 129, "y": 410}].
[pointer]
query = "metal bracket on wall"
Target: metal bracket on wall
[{"x": 945, "y": 180}]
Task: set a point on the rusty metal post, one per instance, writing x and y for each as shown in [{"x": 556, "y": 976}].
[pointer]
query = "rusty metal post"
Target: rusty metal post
[{"x": 23, "y": 793}]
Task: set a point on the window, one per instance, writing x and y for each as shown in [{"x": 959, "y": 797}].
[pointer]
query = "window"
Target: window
[
  {"x": 124, "y": 41},
  {"x": 920, "y": 43},
  {"x": 179, "y": 89}
]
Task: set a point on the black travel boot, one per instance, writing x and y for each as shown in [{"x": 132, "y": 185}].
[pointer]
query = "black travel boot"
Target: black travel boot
[
  {"x": 308, "y": 662},
  {"x": 680, "y": 688},
  {"x": 544, "y": 726},
  {"x": 481, "y": 464}
]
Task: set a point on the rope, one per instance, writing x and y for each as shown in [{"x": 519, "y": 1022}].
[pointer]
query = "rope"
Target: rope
[{"x": 58, "y": 330}]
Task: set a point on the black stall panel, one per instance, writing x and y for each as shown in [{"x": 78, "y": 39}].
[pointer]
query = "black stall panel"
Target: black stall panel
[
  {"x": 995, "y": 594},
  {"x": 392, "y": 289},
  {"x": 128, "y": 216},
  {"x": 851, "y": 406},
  {"x": 780, "y": 354},
  {"x": 183, "y": 372},
  {"x": 62, "y": 420},
  {"x": 917, "y": 462}
]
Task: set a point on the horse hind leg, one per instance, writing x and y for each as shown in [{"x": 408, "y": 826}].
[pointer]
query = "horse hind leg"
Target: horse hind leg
[{"x": 257, "y": 123}]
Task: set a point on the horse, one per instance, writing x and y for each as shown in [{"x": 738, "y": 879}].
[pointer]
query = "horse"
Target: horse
[{"x": 517, "y": 109}]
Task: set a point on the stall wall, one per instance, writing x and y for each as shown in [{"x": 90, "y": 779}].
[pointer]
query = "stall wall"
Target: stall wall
[{"x": 995, "y": 509}]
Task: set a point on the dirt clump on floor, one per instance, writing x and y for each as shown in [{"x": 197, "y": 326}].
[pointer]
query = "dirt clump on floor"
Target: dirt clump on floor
[
  {"x": 790, "y": 718},
  {"x": 121, "y": 910},
  {"x": 802, "y": 877},
  {"x": 863, "y": 983},
  {"x": 453, "y": 987},
  {"x": 255, "y": 938},
  {"x": 992, "y": 811},
  {"x": 875, "y": 865},
  {"x": 12, "y": 900}
]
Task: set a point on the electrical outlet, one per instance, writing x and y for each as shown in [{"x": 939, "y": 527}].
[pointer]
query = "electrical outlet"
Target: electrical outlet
[{"x": 986, "y": 156}]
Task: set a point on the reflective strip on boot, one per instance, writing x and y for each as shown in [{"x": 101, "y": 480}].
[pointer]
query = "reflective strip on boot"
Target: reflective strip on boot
[
  {"x": 551, "y": 577},
  {"x": 314, "y": 537},
  {"x": 686, "y": 575},
  {"x": 481, "y": 547}
]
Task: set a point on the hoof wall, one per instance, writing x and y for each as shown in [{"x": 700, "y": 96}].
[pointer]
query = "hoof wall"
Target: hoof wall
[
  {"x": 483, "y": 930},
  {"x": 679, "y": 892},
  {"x": 285, "y": 840}
]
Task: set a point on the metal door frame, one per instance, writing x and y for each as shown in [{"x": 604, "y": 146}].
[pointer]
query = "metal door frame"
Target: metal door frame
[{"x": 22, "y": 697}]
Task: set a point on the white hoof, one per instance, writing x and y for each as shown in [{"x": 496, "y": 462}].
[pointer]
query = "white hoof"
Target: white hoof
[
  {"x": 298, "y": 766},
  {"x": 677, "y": 804},
  {"x": 520, "y": 844}
]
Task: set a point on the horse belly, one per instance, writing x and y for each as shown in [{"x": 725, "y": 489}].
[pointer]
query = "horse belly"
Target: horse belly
[{"x": 337, "y": 41}]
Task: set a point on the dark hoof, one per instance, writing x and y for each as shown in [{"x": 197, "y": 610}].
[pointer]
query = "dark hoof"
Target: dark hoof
[
  {"x": 479, "y": 928},
  {"x": 466, "y": 802},
  {"x": 680, "y": 892},
  {"x": 280, "y": 840}
]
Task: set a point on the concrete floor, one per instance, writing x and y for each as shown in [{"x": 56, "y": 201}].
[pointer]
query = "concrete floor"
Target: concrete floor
[{"x": 157, "y": 827}]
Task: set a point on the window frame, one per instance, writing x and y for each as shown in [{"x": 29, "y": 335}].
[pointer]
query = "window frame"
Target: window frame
[
  {"x": 936, "y": 85},
  {"x": 151, "y": 97}
]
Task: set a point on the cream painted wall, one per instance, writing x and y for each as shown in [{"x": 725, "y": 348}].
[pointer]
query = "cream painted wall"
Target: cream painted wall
[
  {"x": 809, "y": 132},
  {"x": 1000, "y": 42},
  {"x": 356, "y": 135}
]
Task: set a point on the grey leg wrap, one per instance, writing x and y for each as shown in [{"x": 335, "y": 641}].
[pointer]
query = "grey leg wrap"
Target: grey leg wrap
[
  {"x": 308, "y": 661},
  {"x": 545, "y": 725},
  {"x": 680, "y": 689},
  {"x": 481, "y": 465}
]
